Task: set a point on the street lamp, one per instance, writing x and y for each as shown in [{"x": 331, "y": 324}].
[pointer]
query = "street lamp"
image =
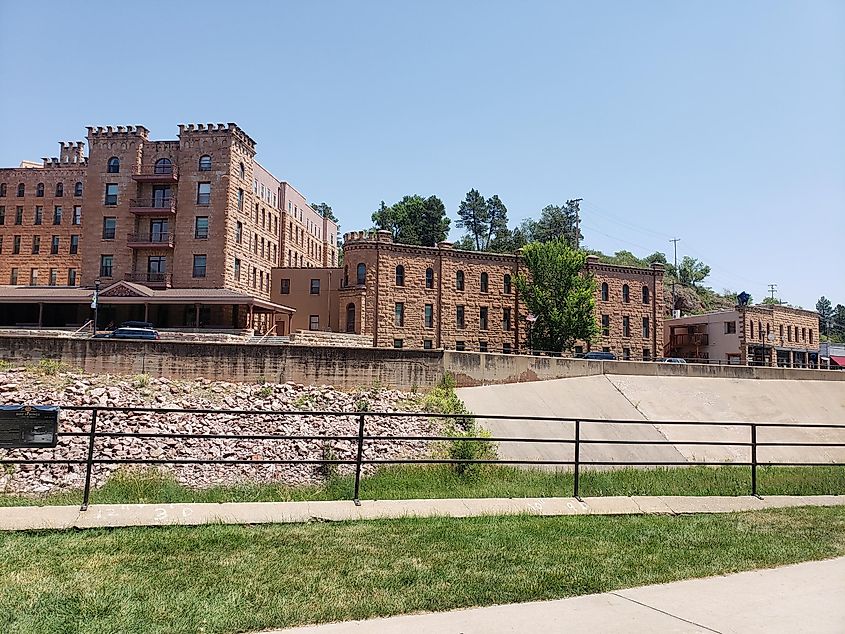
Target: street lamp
[{"x": 95, "y": 302}]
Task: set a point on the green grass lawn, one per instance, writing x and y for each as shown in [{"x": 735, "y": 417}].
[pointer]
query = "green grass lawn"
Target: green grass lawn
[
  {"x": 410, "y": 482},
  {"x": 241, "y": 578}
]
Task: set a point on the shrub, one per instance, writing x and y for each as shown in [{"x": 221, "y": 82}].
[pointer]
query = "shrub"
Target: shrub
[
  {"x": 141, "y": 380},
  {"x": 265, "y": 391},
  {"x": 49, "y": 367},
  {"x": 4, "y": 365}
]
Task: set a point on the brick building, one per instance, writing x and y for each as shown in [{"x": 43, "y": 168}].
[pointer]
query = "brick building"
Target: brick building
[
  {"x": 190, "y": 228},
  {"x": 440, "y": 297},
  {"x": 752, "y": 335}
]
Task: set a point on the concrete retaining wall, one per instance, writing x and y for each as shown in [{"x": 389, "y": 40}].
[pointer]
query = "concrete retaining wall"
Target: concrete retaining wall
[{"x": 348, "y": 367}]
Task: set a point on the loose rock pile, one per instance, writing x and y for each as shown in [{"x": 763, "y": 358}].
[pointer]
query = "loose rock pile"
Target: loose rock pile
[{"x": 20, "y": 386}]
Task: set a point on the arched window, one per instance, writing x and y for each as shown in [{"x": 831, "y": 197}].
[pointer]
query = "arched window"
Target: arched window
[
  {"x": 77, "y": 189},
  {"x": 163, "y": 166},
  {"x": 485, "y": 282},
  {"x": 604, "y": 292},
  {"x": 459, "y": 280},
  {"x": 429, "y": 278},
  {"x": 626, "y": 293},
  {"x": 361, "y": 274},
  {"x": 2, "y": 190},
  {"x": 39, "y": 190},
  {"x": 60, "y": 190},
  {"x": 350, "y": 318},
  {"x": 645, "y": 294},
  {"x": 113, "y": 165},
  {"x": 400, "y": 275},
  {"x": 205, "y": 163},
  {"x": 507, "y": 284},
  {"x": 21, "y": 190},
  {"x": 243, "y": 171}
]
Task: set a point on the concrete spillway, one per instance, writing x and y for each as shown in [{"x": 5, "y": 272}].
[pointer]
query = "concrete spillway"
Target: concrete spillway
[{"x": 655, "y": 401}]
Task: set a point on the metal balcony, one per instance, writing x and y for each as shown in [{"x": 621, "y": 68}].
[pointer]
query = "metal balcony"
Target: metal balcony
[
  {"x": 153, "y": 280},
  {"x": 693, "y": 339},
  {"x": 156, "y": 174},
  {"x": 152, "y": 207},
  {"x": 160, "y": 240}
]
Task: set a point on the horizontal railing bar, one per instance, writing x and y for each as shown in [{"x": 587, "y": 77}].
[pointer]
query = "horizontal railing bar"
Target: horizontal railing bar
[{"x": 129, "y": 434}]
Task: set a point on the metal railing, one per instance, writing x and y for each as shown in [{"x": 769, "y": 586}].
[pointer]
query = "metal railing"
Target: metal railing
[
  {"x": 359, "y": 437},
  {"x": 163, "y": 204},
  {"x": 163, "y": 238},
  {"x": 150, "y": 278}
]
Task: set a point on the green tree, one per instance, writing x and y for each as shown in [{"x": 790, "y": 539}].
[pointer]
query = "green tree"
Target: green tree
[
  {"x": 837, "y": 327},
  {"x": 414, "y": 220},
  {"x": 692, "y": 272},
  {"x": 555, "y": 222},
  {"x": 325, "y": 211},
  {"x": 486, "y": 222},
  {"x": 824, "y": 308},
  {"x": 474, "y": 216},
  {"x": 558, "y": 294}
]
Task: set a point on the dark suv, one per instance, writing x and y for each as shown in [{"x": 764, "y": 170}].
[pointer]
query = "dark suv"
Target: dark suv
[{"x": 598, "y": 355}]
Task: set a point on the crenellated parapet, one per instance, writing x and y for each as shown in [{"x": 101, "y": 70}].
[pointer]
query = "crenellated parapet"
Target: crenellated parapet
[
  {"x": 231, "y": 129},
  {"x": 366, "y": 235},
  {"x": 70, "y": 155},
  {"x": 118, "y": 132}
]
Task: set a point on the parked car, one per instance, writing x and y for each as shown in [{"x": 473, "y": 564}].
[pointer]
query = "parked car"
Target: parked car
[
  {"x": 671, "y": 360},
  {"x": 137, "y": 324},
  {"x": 603, "y": 356},
  {"x": 148, "y": 334}
]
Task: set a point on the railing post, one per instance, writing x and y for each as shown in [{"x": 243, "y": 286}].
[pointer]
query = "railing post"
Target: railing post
[
  {"x": 356, "y": 498},
  {"x": 754, "y": 460},
  {"x": 89, "y": 465},
  {"x": 577, "y": 458}
]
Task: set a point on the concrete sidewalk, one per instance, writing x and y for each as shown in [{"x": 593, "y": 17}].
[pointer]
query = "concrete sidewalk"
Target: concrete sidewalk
[
  {"x": 805, "y": 597},
  {"x": 117, "y": 515}
]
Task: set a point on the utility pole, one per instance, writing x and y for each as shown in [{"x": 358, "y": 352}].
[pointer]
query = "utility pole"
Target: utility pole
[
  {"x": 577, "y": 202},
  {"x": 772, "y": 289},
  {"x": 674, "y": 300}
]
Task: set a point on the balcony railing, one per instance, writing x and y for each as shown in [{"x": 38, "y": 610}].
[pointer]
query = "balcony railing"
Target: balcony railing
[
  {"x": 147, "y": 206},
  {"x": 150, "y": 239},
  {"x": 694, "y": 339},
  {"x": 156, "y": 174},
  {"x": 159, "y": 280}
]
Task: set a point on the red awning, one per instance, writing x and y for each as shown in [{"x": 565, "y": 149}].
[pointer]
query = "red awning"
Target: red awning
[{"x": 838, "y": 360}]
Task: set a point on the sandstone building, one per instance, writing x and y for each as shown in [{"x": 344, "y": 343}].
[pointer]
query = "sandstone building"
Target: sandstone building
[
  {"x": 407, "y": 296},
  {"x": 181, "y": 232},
  {"x": 747, "y": 335}
]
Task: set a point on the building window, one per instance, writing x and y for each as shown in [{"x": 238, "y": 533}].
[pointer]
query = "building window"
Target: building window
[
  {"x": 400, "y": 275},
  {"x": 482, "y": 317},
  {"x": 240, "y": 199},
  {"x": 428, "y": 344},
  {"x": 485, "y": 281},
  {"x": 205, "y": 163},
  {"x": 361, "y": 274},
  {"x": 811, "y": 335},
  {"x": 39, "y": 214},
  {"x": 238, "y": 269},
  {"x": 111, "y": 194},
  {"x": 429, "y": 315},
  {"x": 21, "y": 190},
  {"x": 109, "y": 228},
  {"x": 33, "y": 277},
  {"x": 315, "y": 287},
  {"x": 16, "y": 245},
  {"x": 460, "y": 321},
  {"x": 350, "y": 317},
  {"x": 113, "y": 166},
  {"x": 204, "y": 194},
  {"x": 242, "y": 172},
  {"x": 399, "y": 314},
  {"x": 645, "y": 328},
  {"x": 199, "y": 265},
  {"x": 507, "y": 285},
  {"x": 626, "y": 293},
  {"x": 482, "y": 346},
  {"x": 57, "y": 215},
  {"x": 646, "y": 354},
  {"x": 730, "y": 328},
  {"x": 429, "y": 278},
  {"x": 201, "y": 227},
  {"x": 398, "y": 343},
  {"x": 2, "y": 215},
  {"x": 459, "y": 280},
  {"x": 626, "y": 326},
  {"x": 506, "y": 319},
  {"x": 626, "y": 354},
  {"x": 106, "y": 262},
  {"x": 54, "y": 276},
  {"x": 604, "y": 292},
  {"x": 313, "y": 322},
  {"x": 18, "y": 215},
  {"x": 645, "y": 294},
  {"x": 39, "y": 190},
  {"x": 54, "y": 245},
  {"x": 506, "y": 348},
  {"x": 605, "y": 349},
  {"x": 77, "y": 189},
  {"x": 2, "y": 190},
  {"x": 36, "y": 245},
  {"x": 803, "y": 334},
  {"x": 163, "y": 166},
  {"x": 74, "y": 244},
  {"x": 284, "y": 286},
  {"x": 77, "y": 215},
  {"x": 60, "y": 190},
  {"x": 605, "y": 325},
  {"x": 71, "y": 277},
  {"x": 460, "y": 346},
  {"x": 13, "y": 276}
]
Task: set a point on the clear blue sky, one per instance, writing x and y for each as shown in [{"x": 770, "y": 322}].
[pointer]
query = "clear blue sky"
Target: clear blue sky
[{"x": 719, "y": 122}]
